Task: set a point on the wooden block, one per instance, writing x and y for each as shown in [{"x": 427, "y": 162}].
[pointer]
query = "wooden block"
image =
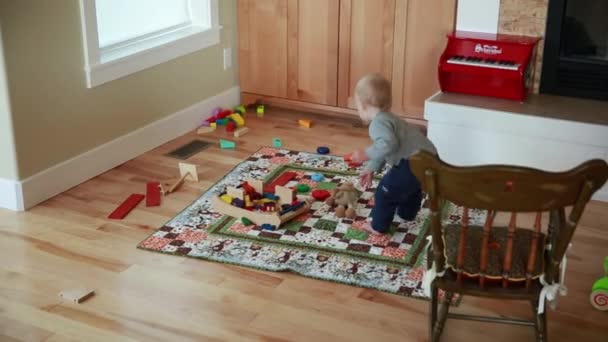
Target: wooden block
[
  {"x": 285, "y": 195},
  {"x": 125, "y": 208},
  {"x": 189, "y": 170},
  {"x": 281, "y": 181},
  {"x": 76, "y": 295},
  {"x": 236, "y": 117},
  {"x": 153, "y": 194},
  {"x": 205, "y": 130},
  {"x": 240, "y": 132},
  {"x": 236, "y": 193},
  {"x": 227, "y": 144},
  {"x": 305, "y": 123},
  {"x": 256, "y": 184},
  {"x": 260, "y": 109},
  {"x": 276, "y": 142}
]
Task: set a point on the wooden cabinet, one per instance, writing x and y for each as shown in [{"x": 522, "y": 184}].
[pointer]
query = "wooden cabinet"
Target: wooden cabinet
[
  {"x": 366, "y": 43},
  {"x": 311, "y": 53}
]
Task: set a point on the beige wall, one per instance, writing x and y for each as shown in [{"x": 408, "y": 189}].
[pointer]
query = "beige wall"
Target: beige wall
[
  {"x": 8, "y": 162},
  {"x": 56, "y": 117}
]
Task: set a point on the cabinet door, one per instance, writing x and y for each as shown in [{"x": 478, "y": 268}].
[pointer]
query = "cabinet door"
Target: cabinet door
[
  {"x": 312, "y": 66},
  {"x": 366, "y": 43},
  {"x": 420, "y": 38},
  {"x": 263, "y": 46}
]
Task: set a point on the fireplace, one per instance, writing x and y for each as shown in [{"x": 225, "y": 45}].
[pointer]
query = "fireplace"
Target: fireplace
[{"x": 576, "y": 49}]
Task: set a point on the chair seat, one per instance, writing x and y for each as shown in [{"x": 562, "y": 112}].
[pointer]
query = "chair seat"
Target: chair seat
[{"x": 496, "y": 252}]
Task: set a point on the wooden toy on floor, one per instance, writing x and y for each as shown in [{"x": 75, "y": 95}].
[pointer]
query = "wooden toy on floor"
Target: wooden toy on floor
[
  {"x": 305, "y": 123},
  {"x": 599, "y": 292},
  {"x": 125, "y": 208},
  {"x": 276, "y": 142},
  {"x": 205, "y": 130},
  {"x": 186, "y": 171},
  {"x": 76, "y": 295},
  {"x": 260, "y": 111},
  {"x": 323, "y": 150},
  {"x": 261, "y": 207},
  {"x": 152, "y": 194},
  {"x": 240, "y": 132},
  {"x": 227, "y": 144}
]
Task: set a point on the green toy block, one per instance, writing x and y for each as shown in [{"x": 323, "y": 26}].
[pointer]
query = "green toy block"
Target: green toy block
[
  {"x": 240, "y": 109},
  {"x": 276, "y": 142},
  {"x": 260, "y": 111},
  {"x": 226, "y": 144}
]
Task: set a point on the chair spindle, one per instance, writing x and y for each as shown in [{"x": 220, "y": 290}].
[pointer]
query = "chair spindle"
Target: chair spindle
[
  {"x": 462, "y": 245},
  {"x": 483, "y": 264},
  {"x": 533, "y": 249},
  {"x": 508, "y": 260}
]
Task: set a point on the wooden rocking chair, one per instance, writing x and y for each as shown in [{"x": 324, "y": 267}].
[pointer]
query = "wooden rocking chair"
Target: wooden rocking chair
[{"x": 509, "y": 262}]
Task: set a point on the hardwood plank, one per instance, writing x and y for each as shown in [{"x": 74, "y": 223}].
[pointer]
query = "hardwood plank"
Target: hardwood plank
[{"x": 67, "y": 242}]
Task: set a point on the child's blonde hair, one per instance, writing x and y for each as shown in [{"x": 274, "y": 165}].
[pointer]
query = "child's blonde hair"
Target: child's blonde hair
[{"x": 375, "y": 90}]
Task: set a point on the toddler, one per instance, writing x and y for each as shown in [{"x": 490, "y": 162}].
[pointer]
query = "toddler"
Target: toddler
[{"x": 393, "y": 142}]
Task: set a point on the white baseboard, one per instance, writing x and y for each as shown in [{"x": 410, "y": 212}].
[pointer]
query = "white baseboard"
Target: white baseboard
[
  {"x": 10, "y": 195},
  {"x": 72, "y": 172}
]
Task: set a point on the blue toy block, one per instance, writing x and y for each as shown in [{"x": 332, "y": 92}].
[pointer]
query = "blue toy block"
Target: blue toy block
[
  {"x": 276, "y": 142},
  {"x": 267, "y": 226},
  {"x": 317, "y": 177},
  {"x": 323, "y": 150}
]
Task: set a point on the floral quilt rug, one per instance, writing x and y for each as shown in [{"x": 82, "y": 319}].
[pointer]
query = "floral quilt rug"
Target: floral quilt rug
[{"x": 316, "y": 244}]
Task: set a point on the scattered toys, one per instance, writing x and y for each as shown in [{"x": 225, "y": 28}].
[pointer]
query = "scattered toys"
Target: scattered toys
[
  {"x": 241, "y": 109},
  {"x": 152, "y": 194},
  {"x": 206, "y": 129},
  {"x": 599, "y": 292},
  {"x": 305, "y": 123},
  {"x": 125, "y": 208},
  {"x": 230, "y": 127},
  {"x": 185, "y": 171},
  {"x": 321, "y": 195},
  {"x": 240, "y": 132},
  {"x": 227, "y": 144},
  {"x": 213, "y": 124},
  {"x": 323, "y": 150},
  {"x": 317, "y": 177},
  {"x": 276, "y": 142},
  {"x": 221, "y": 122},
  {"x": 77, "y": 295},
  {"x": 238, "y": 119},
  {"x": 260, "y": 111},
  {"x": 303, "y": 188}
]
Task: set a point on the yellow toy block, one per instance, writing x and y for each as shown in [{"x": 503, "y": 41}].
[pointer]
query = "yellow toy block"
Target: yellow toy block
[
  {"x": 305, "y": 123},
  {"x": 240, "y": 122},
  {"x": 248, "y": 201},
  {"x": 227, "y": 198},
  {"x": 213, "y": 124}
]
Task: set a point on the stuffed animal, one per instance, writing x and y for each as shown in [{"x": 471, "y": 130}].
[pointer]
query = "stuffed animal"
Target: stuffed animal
[{"x": 345, "y": 197}]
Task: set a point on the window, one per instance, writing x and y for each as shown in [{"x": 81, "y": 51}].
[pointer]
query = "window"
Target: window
[{"x": 125, "y": 36}]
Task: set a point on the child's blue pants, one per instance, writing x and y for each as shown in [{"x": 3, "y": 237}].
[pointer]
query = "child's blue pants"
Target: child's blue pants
[{"x": 399, "y": 190}]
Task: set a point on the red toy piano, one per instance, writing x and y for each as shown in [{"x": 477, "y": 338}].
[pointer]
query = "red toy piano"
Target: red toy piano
[{"x": 488, "y": 65}]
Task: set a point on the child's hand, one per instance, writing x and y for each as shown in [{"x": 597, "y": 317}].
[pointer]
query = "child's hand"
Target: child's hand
[
  {"x": 365, "y": 178},
  {"x": 359, "y": 157}
]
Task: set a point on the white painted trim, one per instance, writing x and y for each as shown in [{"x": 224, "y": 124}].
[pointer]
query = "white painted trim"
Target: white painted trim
[
  {"x": 10, "y": 195},
  {"x": 72, "y": 172},
  {"x": 103, "y": 65}
]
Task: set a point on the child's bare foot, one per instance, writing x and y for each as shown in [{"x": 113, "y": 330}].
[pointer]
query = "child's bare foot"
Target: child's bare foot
[{"x": 367, "y": 228}]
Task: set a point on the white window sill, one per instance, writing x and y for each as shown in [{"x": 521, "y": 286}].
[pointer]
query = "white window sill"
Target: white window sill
[{"x": 123, "y": 61}]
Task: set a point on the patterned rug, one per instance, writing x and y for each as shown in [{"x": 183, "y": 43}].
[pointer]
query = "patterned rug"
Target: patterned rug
[{"x": 316, "y": 244}]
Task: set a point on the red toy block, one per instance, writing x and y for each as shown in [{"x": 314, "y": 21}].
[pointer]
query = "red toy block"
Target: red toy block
[
  {"x": 249, "y": 190},
  {"x": 153, "y": 194},
  {"x": 281, "y": 181},
  {"x": 125, "y": 208},
  {"x": 231, "y": 127},
  {"x": 321, "y": 195},
  {"x": 224, "y": 114}
]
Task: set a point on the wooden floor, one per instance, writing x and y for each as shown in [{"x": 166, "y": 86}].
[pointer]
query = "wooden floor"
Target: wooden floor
[{"x": 67, "y": 242}]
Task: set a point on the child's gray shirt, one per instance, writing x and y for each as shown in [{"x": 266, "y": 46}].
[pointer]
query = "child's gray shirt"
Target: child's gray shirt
[{"x": 392, "y": 140}]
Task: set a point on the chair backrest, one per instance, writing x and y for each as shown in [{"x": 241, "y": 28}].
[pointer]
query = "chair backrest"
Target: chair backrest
[{"x": 501, "y": 188}]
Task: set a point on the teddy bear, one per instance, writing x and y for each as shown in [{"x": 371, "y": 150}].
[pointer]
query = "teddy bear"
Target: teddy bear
[{"x": 345, "y": 197}]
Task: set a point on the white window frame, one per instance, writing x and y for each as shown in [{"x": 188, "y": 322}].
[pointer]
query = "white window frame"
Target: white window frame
[{"x": 112, "y": 62}]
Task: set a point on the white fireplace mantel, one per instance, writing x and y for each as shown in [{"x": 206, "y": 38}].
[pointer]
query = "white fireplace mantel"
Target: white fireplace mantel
[{"x": 546, "y": 132}]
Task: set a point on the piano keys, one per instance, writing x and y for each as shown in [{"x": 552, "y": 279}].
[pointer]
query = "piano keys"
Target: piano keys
[{"x": 488, "y": 65}]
